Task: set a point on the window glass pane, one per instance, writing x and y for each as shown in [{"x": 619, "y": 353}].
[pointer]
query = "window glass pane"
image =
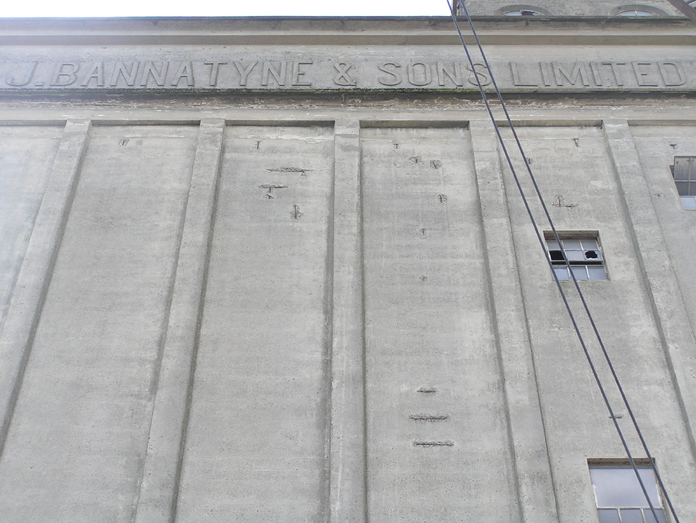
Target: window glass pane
[
  {"x": 589, "y": 244},
  {"x": 649, "y": 518},
  {"x": 608, "y": 516},
  {"x": 683, "y": 188},
  {"x": 684, "y": 168},
  {"x": 681, "y": 170},
  {"x": 552, "y": 245},
  {"x": 632, "y": 515},
  {"x": 597, "y": 272},
  {"x": 572, "y": 244},
  {"x": 575, "y": 255},
  {"x": 580, "y": 272},
  {"x": 688, "y": 203},
  {"x": 619, "y": 487},
  {"x": 635, "y": 12},
  {"x": 561, "y": 273}
]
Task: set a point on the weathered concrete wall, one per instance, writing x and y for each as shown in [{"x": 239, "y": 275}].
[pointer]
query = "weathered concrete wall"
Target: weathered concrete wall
[
  {"x": 330, "y": 305},
  {"x": 562, "y": 8},
  {"x": 27, "y": 155}
]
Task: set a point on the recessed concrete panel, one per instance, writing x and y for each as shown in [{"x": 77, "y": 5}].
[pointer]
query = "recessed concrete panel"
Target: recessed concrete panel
[
  {"x": 26, "y": 157},
  {"x": 436, "y": 429},
  {"x": 574, "y": 169},
  {"x": 657, "y": 146},
  {"x": 256, "y": 448},
  {"x": 79, "y": 433}
]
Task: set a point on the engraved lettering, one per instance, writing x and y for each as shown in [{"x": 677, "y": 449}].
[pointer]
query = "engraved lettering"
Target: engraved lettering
[
  {"x": 517, "y": 80},
  {"x": 297, "y": 73},
  {"x": 121, "y": 69},
  {"x": 158, "y": 74},
  {"x": 343, "y": 77},
  {"x": 277, "y": 74},
  {"x": 419, "y": 74},
  {"x": 579, "y": 73},
  {"x": 596, "y": 73},
  {"x": 96, "y": 72},
  {"x": 615, "y": 71},
  {"x": 185, "y": 71},
  {"x": 244, "y": 72},
  {"x": 69, "y": 75},
  {"x": 668, "y": 76},
  {"x": 481, "y": 72},
  {"x": 454, "y": 74},
  {"x": 641, "y": 75},
  {"x": 395, "y": 77},
  {"x": 214, "y": 69},
  {"x": 10, "y": 80},
  {"x": 545, "y": 74}
]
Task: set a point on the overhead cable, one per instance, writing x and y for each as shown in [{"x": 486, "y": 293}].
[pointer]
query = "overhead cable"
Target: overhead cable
[{"x": 463, "y": 10}]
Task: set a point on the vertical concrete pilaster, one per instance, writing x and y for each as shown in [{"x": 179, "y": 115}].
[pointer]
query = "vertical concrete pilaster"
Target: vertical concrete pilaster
[
  {"x": 661, "y": 283},
  {"x": 34, "y": 278},
  {"x": 159, "y": 486},
  {"x": 347, "y": 452},
  {"x": 534, "y": 482}
]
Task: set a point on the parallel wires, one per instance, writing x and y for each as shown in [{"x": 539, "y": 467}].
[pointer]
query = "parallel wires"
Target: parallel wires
[{"x": 568, "y": 308}]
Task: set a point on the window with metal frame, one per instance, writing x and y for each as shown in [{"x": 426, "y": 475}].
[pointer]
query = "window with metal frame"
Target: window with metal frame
[
  {"x": 684, "y": 174},
  {"x": 637, "y": 10},
  {"x": 522, "y": 10},
  {"x": 584, "y": 254},
  {"x": 619, "y": 497}
]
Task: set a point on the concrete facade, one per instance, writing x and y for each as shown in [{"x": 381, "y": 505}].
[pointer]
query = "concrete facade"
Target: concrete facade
[{"x": 277, "y": 270}]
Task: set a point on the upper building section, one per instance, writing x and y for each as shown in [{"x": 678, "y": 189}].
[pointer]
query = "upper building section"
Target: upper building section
[
  {"x": 198, "y": 55},
  {"x": 643, "y": 8}
]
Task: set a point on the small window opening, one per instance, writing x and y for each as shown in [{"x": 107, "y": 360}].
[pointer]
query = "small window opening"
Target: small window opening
[
  {"x": 619, "y": 497},
  {"x": 684, "y": 174},
  {"x": 583, "y": 252},
  {"x": 637, "y": 11},
  {"x": 522, "y": 10}
]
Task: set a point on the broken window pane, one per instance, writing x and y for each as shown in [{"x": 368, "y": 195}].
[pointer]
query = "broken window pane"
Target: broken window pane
[
  {"x": 556, "y": 255},
  {"x": 583, "y": 254}
]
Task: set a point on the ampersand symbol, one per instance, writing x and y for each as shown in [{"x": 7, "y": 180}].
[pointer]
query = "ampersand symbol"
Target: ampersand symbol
[{"x": 343, "y": 78}]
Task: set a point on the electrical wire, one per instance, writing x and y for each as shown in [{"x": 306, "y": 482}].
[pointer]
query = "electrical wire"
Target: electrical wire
[{"x": 572, "y": 275}]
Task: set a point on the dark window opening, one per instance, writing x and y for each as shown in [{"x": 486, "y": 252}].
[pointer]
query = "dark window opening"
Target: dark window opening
[{"x": 684, "y": 174}]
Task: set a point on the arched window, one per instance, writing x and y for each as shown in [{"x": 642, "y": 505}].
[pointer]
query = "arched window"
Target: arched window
[
  {"x": 522, "y": 10},
  {"x": 637, "y": 10}
]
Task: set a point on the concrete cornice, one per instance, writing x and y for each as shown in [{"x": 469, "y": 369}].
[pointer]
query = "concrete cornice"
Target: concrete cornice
[{"x": 343, "y": 31}]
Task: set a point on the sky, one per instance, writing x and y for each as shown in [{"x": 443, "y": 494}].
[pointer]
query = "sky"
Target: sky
[{"x": 52, "y": 8}]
